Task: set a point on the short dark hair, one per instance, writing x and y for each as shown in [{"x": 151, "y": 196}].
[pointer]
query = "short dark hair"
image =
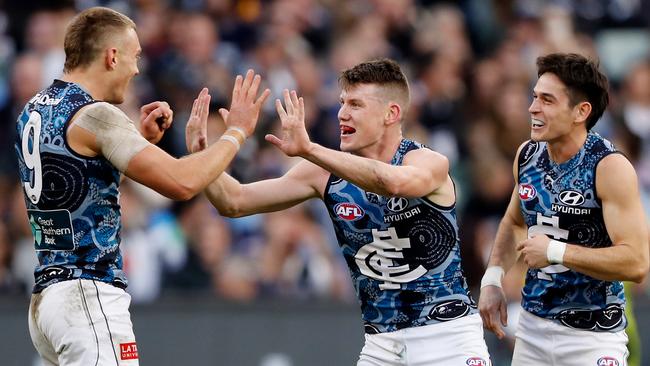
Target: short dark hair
[
  {"x": 583, "y": 80},
  {"x": 85, "y": 35},
  {"x": 384, "y": 72}
]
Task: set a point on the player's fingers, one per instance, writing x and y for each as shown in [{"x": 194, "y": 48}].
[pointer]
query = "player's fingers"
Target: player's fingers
[
  {"x": 301, "y": 108},
  {"x": 147, "y": 108},
  {"x": 246, "y": 84},
  {"x": 204, "y": 111},
  {"x": 224, "y": 113},
  {"x": 294, "y": 99},
  {"x": 281, "y": 112},
  {"x": 287, "y": 101},
  {"x": 194, "y": 111},
  {"x": 273, "y": 139},
  {"x": 255, "y": 85},
  {"x": 262, "y": 99},
  {"x": 503, "y": 312},
  {"x": 520, "y": 245},
  {"x": 236, "y": 89},
  {"x": 153, "y": 115}
]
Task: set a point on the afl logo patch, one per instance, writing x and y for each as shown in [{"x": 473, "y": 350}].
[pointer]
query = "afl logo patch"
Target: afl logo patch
[
  {"x": 476, "y": 361},
  {"x": 397, "y": 204},
  {"x": 572, "y": 198},
  {"x": 607, "y": 361},
  {"x": 527, "y": 192},
  {"x": 349, "y": 211}
]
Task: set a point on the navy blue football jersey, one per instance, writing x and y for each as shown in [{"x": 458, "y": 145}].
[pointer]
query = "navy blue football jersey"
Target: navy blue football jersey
[
  {"x": 560, "y": 200},
  {"x": 403, "y": 254},
  {"x": 72, "y": 200}
]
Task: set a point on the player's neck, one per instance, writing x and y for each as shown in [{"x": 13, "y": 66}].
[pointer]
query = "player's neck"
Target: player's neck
[
  {"x": 89, "y": 81},
  {"x": 567, "y": 146},
  {"x": 383, "y": 150}
]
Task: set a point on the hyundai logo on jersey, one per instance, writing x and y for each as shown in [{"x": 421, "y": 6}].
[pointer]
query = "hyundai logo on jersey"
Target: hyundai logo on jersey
[
  {"x": 397, "y": 204},
  {"x": 348, "y": 211},
  {"x": 572, "y": 198},
  {"x": 527, "y": 192}
]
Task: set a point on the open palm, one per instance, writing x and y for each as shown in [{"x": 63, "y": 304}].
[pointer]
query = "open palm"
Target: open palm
[{"x": 294, "y": 139}]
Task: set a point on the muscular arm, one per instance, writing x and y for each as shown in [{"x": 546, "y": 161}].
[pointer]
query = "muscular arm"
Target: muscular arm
[
  {"x": 422, "y": 172},
  {"x": 300, "y": 183},
  {"x": 627, "y": 258},
  {"x": 180, "y": 179},
  {"x": 512, "y": 229}
]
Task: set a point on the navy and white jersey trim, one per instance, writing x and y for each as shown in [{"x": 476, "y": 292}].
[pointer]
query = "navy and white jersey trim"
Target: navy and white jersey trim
[
  {"x": 72, "y": 201},
  {"x": 403, "y": 254},
  {"x": 560, "y": 201}
]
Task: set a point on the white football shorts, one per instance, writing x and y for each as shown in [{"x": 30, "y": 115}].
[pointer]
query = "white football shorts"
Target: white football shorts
[
  {"x": 455, "y": 342},
  {"x": 83, "y": 323},
  {"x": 541, "y": 341}
]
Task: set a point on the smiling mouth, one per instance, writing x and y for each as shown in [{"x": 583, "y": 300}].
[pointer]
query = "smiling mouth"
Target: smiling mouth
[
  {"x": 347, "y": 130},
  {"x": 537, "y": 123}
]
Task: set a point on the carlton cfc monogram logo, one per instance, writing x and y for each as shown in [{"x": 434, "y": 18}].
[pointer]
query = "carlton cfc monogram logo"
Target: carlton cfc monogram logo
[
  {"x": 378, "y": 260},
  {"x": 348, "y": 211}
]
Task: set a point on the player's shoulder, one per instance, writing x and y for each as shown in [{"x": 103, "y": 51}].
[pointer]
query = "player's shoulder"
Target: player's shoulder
[
  {"x": 424, "y": 152},
  {"x": 104, "y": 112},
  {"x": 428, "y": 159},
  {"x": 615, "y": 163}
]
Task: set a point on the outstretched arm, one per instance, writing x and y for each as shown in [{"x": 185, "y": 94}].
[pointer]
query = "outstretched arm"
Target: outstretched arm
[
  {"x": 423, "y": 171},
  {"x": 300, "y": 183},
  {"x": 183, "y": 178},
  {"x": 104, "y": 130},
  {"x": 627, "y": 258}
]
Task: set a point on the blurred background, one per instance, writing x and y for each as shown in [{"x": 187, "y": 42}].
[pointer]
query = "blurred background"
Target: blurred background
[{"x": 272, "y": 290}]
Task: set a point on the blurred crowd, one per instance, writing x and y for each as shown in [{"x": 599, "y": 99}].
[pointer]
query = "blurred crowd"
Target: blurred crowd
[{"x": 471, "y": 66}]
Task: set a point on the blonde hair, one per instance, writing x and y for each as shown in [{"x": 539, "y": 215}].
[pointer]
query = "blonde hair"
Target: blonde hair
[{"x": 86, "y": 34}]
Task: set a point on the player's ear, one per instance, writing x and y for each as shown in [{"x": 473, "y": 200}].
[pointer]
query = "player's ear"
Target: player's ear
[
  {"x": 110, "y": 58},
  {"x": 582, "y": 111},
  {"x": 393, "y": 114}
]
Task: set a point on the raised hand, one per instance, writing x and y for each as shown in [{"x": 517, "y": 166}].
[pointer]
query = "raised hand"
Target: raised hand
[
  {"x": 245, "y": 106},
  {"x": 155, "y": 118},
  {"x": 196, "y": 130},
  {"x": 295, "y": 140}
]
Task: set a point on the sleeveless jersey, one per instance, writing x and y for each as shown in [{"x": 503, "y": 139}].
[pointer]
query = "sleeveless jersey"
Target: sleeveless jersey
[
  {"x": 72, "y": 200},
  {"x": 403, "y": 255},
  {"x": 560, "y": 200}
]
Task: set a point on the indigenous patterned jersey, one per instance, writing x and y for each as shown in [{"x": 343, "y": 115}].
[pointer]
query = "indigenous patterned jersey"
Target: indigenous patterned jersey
[
  {"x": 72, "y": 200},
  {"x": 403, "y": 255},
  {"x": 560, "y": 200}
]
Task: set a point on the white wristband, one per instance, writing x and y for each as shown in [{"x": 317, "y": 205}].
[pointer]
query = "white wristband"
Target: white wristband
[
  {"x": 232, "y": 139},
  {"x": 492, "y": 276},
  {"x": 555, "y": 252},
  {"x": 237, "y": 130}
]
